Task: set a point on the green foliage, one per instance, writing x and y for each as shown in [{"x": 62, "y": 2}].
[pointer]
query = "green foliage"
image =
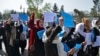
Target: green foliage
[
  {"x": 95, "y": 2},
  {"x": 6, "y": 15},
  {"x": 79, "y": 14},
  {"x": 95, "y": 11},
  {"x": 33, "y": 6},
  {"x": 47, "y": 7}
]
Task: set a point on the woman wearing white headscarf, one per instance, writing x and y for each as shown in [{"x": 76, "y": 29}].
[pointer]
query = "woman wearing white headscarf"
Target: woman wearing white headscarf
[
  {"x": 93, "y": 23},
  {"x": 96, "y": 37}
]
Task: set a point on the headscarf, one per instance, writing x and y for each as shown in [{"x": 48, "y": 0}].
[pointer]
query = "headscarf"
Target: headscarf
[
  {"x": 38, "y": 26},
  {"x": 80, "y": 29},
  {"x": 97, "y": 21},
  {"x": 31, "y": 21},
  {"x": 93, "y": 23}
]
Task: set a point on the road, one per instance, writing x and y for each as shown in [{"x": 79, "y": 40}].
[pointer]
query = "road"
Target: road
[{"x": 3, "y": 51}]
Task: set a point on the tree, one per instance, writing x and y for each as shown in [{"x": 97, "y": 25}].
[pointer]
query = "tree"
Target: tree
[
  {"x": 95, "y": 2},
  {"x": 13, "y": 12},
  {"x": 47, "y": 7},
  {"x": 62, "y": 8},
  {"x": 33, "y": 6},
  {"x": 0, "y": 15},
  {"x": 55, "y": 8},
  {"x": 95, "y": 11},
  {"x": 6, "y": 15},
  {"x": 80, "y": 14}
]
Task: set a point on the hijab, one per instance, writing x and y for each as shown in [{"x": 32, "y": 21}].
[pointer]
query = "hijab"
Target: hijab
[
  {"x": 95, "y": 24},
  {"x": 31, "y": 21},
  {"x": 38, "y": 26}
]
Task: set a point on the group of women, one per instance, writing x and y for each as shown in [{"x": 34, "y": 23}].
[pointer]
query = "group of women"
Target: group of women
[{"x": 58, "y": 40}]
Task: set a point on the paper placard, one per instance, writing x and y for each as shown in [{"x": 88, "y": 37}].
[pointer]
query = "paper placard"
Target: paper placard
[
  {"x": 23, "y": 17},
  {"x": 49, "y": 17},
  {"x": 14, "y": 17},
  {"x": 97, "y": 43},
  {"x": 40, "y": 33},
  {"x": 77, "y": 46},
  {"x": 88, "y": 38},
  {"x": 68, "y": 19},
  {"x": 66, "y": 48}
]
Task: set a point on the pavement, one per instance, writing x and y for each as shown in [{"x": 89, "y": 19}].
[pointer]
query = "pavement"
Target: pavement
[{"x": 3, "y": 51}]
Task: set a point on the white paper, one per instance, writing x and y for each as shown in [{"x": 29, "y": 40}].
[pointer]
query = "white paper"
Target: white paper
[
  {"x": 49, "y": 17},
  {"x": 15, "y": 17},
  {"x": 97, "y": 43},
  {"x": 88, "y": 38}
]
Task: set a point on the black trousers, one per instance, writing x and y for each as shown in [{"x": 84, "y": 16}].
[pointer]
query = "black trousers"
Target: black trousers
[
  {"x": 7, "y": 46},
  {"x": 23, "y": 44},
  {"x": 95, "y": 51},
  {"x": 88, "y": 51},
  {"x": 0, "y": 44},
  {"x": 81, "y": 52}
]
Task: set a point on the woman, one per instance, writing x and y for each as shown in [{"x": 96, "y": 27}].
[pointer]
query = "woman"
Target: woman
[
  {"x": 79, "y": 38},
  {"x": 23, "y": 38},
  {"x": 16, "y": 41},
  {"x": 88, "y": 46},
  {"x": 70, "y": 41},
  {"x": 14, "y": 49},
  {"x": 7, "y": 36},
  {"x": 38, "y": 44},
  {"x": 50, "y": 41},
  {"x": 95, "y": 35},
  {"x": 32, "y": 34}
]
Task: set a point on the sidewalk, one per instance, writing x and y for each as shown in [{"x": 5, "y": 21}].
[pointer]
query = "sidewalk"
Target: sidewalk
[{"x": 3, "y": 51}]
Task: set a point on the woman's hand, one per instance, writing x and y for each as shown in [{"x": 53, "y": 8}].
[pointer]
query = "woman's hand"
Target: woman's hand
[
  {"x": 83, "y": 43},
  {"x": 31, "y": 48},
  {"x": 71, "y": 52}
]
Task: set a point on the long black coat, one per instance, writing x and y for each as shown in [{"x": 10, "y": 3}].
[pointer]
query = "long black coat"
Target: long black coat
[
  {"x": 50, "y": 48},
  {"x": 19, "y": 30}
]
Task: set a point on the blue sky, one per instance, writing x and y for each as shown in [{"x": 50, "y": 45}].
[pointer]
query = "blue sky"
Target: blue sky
[{"x": 69, "y": 5}]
